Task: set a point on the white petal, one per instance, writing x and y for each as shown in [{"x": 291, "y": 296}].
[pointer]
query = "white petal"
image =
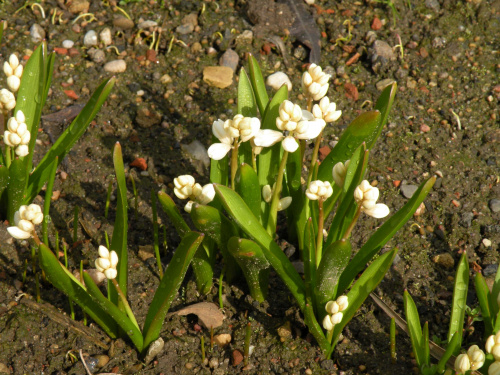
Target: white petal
[
  {"x": 207, "y": 194},
  {"x": 267, "y": 193},
  {"x": 103, "y": 252},
  {"x": 290, "y": 144},
  {"x": 343, "y": 302},
  {"x": 317, "y": 112},
  {"x": 104, "y": 263},
  {"x": 284, "y": 203},
  {"x": 218, "y": 150},
  {"x": 179, "y": 194},
  {"x": 306, "y": 78},
  {"x": 379, "y": 211},
  {"x": 20, "y": 117},
  {"x": 39, "y": 216},
  {"x": 13, "y": 61},
  {"x": 7, "y": 69},
  {"x": 221, "y": 132},
  {"x": 189, "y": 206},
  {"x": 111, "y": 273},
  {"x": 312, "y": 131},
  {"x": 26, "y": 226},
  {"x": 13, "y": 82},
  {"x": 321, "y": 93},
  {"x": 332, "y": 307},
  {"x": 267, "y": 137},
  {"x": 6, "y": 138},
  {"x": 312, "y": 196},
  {"x": 17, "y": 216},
  {"x": 113, "y": 258},
  {"x": 306, "y": 115},
  {"x": 98, "y": 265},
  {"x": 327, "y": 323},
  {"x": 16, "y": 232},
  {"x": 336, "y": 318}
]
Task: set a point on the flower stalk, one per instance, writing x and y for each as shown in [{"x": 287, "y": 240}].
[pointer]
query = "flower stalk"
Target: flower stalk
[{"x": 273, "y": 213}]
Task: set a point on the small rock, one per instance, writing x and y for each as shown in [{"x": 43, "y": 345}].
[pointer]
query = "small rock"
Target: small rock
[
  {"x": 190, "y": 19},
  {"x": 433, "y": 4},
  {"x": 105, "y": 36},
  {"x": 4, "y": 368},
  {"x": 90, "y": 38},
  {"x": 218, "y": 76},
  {"x": 197, "y": 151},
  {"x": 490, "y": 270},
  {"x": 147, "y": 118},
  {"x": 184, "y": 29},
  {"x": 165, "y": 79},
  {"x": 383, "y": 50},
  {"x": 408, "y": 190},
  {"x": 384, "y": 83},
  {"x": 123, "y": 23},
  {"x": 154, "y": 349},
  {"x": 79, "y": 6},
  {"x": 139, "y": 163},
  {"x": 425, "y": 128},
  {"x": 486, "y": 242},
  {"x": 285, "y": 332},
  {"x": 68, "y": 43},
  {"x": 37, "y": 33},
  {"x": 97, "y": 55},
  {"x": 213, "y": 362},
  {"x": 376, "y": 24},
  {"x": 466, "y": 220},
  {"x": 237, "y": 357},
  {"x": 494, "y": 205},
  {"x": 423, "y": 53},
  {"x": 445, "y": 260},
  {"x": 351, "y": 91},
  {"x": 230, "y": 59},
  {"x": 411, "y": 83},
  {"x": 196, "y": 47},
  {"x": 328, "y": 364},
  {"x": 147, "y": 24},
  {"x": 246, "y": 37},
  {"x": 102, "y": 360},
  {"x": 151, "y": 55},
  {"x": 115, "y": 66},
  {"x": 278, "y": 79},
  {"x": 223, "y": 339},
  {"x": 370, "y": 37}
]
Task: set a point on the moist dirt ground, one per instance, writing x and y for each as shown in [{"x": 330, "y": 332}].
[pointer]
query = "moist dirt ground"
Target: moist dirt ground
[{"x": 444, "y": 56}]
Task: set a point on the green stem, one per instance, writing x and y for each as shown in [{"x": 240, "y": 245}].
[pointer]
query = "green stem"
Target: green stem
[
  {"x": 273, "y": 212},
  {"x": 314, "y": 157},
  {"x": 353, "y": 223},
  {"x": 234, "y": 163},
  {"x": 319, "y": 240},
  {"x": 125, "y": 303},
  {"x": 8, "y": 156},
  {"x": 254, "y": 161}
]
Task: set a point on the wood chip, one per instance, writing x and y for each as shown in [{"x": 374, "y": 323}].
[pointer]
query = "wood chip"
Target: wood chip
[{"x": 208, "y": 313}]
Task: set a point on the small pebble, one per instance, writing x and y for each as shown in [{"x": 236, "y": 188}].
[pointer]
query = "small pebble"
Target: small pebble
[
  {"x": 245, "y": 37},
  {"x": 90, "y": 38},
  {"x": 408, "y": 190},
  {"x": 165, "y": 79},
  {"x": 494, "y": 205},
  {"x": 230, "y": 59},
  {"x": 102, "y": 360},
  {"x": 115, "y": 66},
  {"x": 218, "y": 76},
  {"x": 223, "y": 339},
  {"x": 68, "y": 43},
  {"x": 237, "y": 357},
  {"x": 105, "y": 36},
  {"x": 278, "y": 79},
  {"x": 147, "y": 24},
  {"x": 37, "y": 33},
  {"x": 213, "y": 363},
  {"x": 486, "y": 242},
  {"x": 445, "y": 260},
  {"x": 123, "y": 23}
]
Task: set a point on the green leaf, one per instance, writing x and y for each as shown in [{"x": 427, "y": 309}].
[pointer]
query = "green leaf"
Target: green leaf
[
  {"x": 246, "y": 100},
  {"x": 364, "y": 128},
  {"x": 366, "y": 283},
  {"x": 203, "y": 266},
  {"x": 495, "y": 292},
  {"x": 383, "y": 235},
  {"x": 316, "y": 330},
  {"x": 173, "y": 213},
  {"x": 483, "y": 292},
  {"x": 16, "y": 187},
  {"x": 258, "y": 85},
  {"x": 114, "y": 312},
  {"x": 48, "y": 198},
  {"x": 4, "y": 182},
  {"x": 425, "y": 342},
  {"x": 384, "y": 105},
  {"x": 61, "y": 280},
  {"x": 169, "y": 285},
  {"x": 67, "y": 139},
  {"x": 414, "y": 329},
  {"x": 333, "y": 262},
  {"x": 452, "y": 347},
  {"x": 247, "y": 186},
  {"x": 459, "y": 299},
  {"x": 254, "y": 264},
  {"x": 309, "y": 256},
  {"x": 119, "y": 238},
  {"x": 246, "y": 220}
]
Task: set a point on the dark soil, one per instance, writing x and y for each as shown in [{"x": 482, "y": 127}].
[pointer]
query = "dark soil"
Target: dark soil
[{"x": 448, "y": 63}]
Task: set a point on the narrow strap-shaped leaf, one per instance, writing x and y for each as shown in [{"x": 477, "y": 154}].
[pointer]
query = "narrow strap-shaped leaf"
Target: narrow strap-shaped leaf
[
  {"x": 4, "y": 181},
  {"x": 309, "y": 256},
  {"x": 483, "y": 292},
  {"x": 67, "y": 139},
  {"x": 247, "y": 186},
  {"x": 315, "y": 329},
  {"x": 364, "y": 128},
  {"x": 258, "y": 85},
  {"x": 452, "y": 347},
  {"x": 246, "y": 220},
  {"x": 384, "y": 105},
  {"x": 246, "y": 100},
  {"x": 173, "y": 213},
  {"x": 383, "y": 235},
  {"x": 459, "y": 299},
  {"x": 493, "y": 296},
  {"x": 254, "y": 265},
  {"x": 203, "y": 266},
  {"x": 48, "y": 198},
  {"x": 169, "y": 285},
  {"x": 114, "y": 312},
  {"x": 120, "y": 230},
  {"x": 362, "y": 288},
  {"x": 414, "y": 329},
  {"x": 425, "y": 344},
  {"x": 16, "y": 187},
  {"x": 62, "y": 281}
]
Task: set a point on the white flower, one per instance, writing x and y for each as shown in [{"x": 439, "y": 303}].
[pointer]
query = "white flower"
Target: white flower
[
  {"x": 462, "y": 364},
  {"x": 187, "y": 188},
  {"x": 107, "y": 262},
  {"x": 17, "y": 134},
  {"x": 336, "y": 318},
  {"x": 14, "y": 71},
  {"x": 493, "y": 346},
  {"x": 332, "y": 307},
  {"x": 295, "y": 123},
  {"x": 207, "y": 194},
  {"x": 319, "y": 190},
  {"x": 267, "y": 195},
  {"x": 7, "y": 99},
  {"x": 339, "y": 171},
  {"x": 327, "y": 323},
  {"x": 494, "y": 368},
  {"x": 284, "y": 203},
  {"x": 366, "y": 196},
  {"x": 343, "y": 302},
  {"x": 315, "y": 82},
  {"x": 326, "y": 111},
  {"x": 476, "y": 357},
  {"x": 244, "y": 127},
  {"x": 25, "y": 220}
]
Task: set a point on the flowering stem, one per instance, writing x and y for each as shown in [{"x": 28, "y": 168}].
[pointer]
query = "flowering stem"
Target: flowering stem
[
  {"x": 8, "y": 156},
  {"x": 273, "y": 213},
  {"x": 309, "y": 103},
  {"x": 254, "y": 161},
  {"x": 125, "y": 303},
  {"x": 319, "y": 240},
  {"x": 314, "y": 157},
  {"x": 329, "y": 335},
  {"x": 234, "y": 163},
  {"x": 37, "y": 240},
  {"x": 353, "y": 223}
]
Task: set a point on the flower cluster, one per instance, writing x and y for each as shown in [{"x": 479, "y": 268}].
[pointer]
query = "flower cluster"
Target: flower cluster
[
  {"x": 240, "y": 127},
  {"x": 14, "y": 71},
  {"x": 315, "y": 82},
  {"x": 25, "y": 220},
  {"x": 339, "y": 171},
  {"x": 7, "y": 100},
  {"x": 334, "y": 312},
  {"x": 267, "y": 195},
  {"x": 326, "y": 111},
  {"x": 17, "y": 136},
  {"x": 187, "y": 188},
  {"x": 107, "y": 262},
  {"x": 366, "y": 196},
  {"x": 319, "y": 190},
  {"x": 472, "y": 360},
  {"x": 493, "y": 346}
]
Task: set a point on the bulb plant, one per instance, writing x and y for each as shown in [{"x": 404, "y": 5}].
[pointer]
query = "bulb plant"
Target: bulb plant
[
  {"x": 471, "y": 360},
  {"x": 112, "y": 312},
  {"x": 258, "y": 160}
]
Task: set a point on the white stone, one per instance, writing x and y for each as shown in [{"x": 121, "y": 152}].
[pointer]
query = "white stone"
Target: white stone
[
  {"x": 105, "y": 36},
  {"x": 147, "y": 24},
  {"x": 90, "y": 39},
  {"x": 278, "y": 79},
  {"x": 68, "y": 43},
  {"x": 115, "y": 66},
  {"x": 486, "y": 242}
]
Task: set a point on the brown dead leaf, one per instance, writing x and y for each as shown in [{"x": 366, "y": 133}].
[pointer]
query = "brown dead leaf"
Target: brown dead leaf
[{"x": 208, "y": 313}]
